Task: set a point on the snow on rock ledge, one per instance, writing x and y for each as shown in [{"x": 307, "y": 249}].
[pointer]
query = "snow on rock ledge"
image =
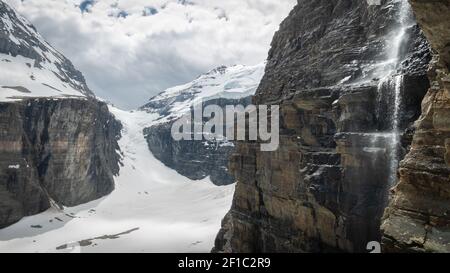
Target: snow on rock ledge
[{"x": 30, "y": 67}]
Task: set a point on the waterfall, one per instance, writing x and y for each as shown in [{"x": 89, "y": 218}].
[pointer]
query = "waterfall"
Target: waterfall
[
  {"x": 396, "y": 86},
  {"x": 398, "y": 36},
  {"x": 390, "y": 88},
  {"x": 390, "y": 91}
]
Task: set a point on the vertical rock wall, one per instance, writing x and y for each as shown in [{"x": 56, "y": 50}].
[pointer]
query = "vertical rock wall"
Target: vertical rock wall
[
  {"x": 61, "y": 150},
  {"x": 418, "y": 218}
]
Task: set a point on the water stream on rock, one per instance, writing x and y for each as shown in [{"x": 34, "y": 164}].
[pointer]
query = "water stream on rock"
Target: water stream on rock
[
  {"x": 391, "y": 86},
  {"x": 390, "y": 89}
]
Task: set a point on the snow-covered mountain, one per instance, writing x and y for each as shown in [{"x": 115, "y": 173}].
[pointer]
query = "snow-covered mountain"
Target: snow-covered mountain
[
  {"x": 234, "y": 83},
  {"x": 31, "y": 67},
  {"x": 200, "y": 159}
]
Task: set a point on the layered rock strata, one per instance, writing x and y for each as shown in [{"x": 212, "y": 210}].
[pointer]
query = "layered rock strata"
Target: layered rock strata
[
  {"x": 418, "y": 218},
  {"x": 326, "y": 187},
  {"x": 55, "y": 151}
]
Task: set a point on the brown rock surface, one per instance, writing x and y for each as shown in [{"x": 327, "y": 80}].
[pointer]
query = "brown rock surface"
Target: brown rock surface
[{"x": 418, "y": 218}]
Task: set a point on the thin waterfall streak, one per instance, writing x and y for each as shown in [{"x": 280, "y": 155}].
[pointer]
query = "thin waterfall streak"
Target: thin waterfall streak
[
  {"x": 395, "y": 139},
  {"x": 398, "y": 84}
]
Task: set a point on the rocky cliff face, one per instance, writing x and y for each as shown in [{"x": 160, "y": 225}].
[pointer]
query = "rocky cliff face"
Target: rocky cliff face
[
  {"x": 191, "y": 158},
  {"x": 58, "y": 144},
  {"x": 62, "y": 151},
  {"x": 418, "y": 218},
  {"x": 337, "y": 70}
]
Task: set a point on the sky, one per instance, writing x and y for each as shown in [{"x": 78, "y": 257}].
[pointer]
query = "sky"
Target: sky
[{"x": 131, "y": 50}]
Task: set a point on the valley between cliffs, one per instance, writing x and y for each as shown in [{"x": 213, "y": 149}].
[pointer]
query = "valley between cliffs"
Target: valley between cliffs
[
  {"x": 364, "y": 150},
  {"x": 152, "y": 208}
]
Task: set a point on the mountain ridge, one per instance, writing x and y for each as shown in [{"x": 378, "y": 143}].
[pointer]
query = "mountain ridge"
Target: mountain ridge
[
  {"x": 31, "y": 66},
  {"x": 233, "y": 82}
]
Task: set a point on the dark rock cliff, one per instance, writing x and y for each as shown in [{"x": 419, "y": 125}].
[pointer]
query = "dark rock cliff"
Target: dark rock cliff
[
  {"x": 326, "y": 187},
  {"x": 418, "y": 218},
  {"x": 62, "y": 151},
  {"x": 194, "y": 159}
]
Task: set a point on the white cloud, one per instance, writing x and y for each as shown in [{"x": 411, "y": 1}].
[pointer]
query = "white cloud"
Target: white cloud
[{"x": 129, "y": 58}]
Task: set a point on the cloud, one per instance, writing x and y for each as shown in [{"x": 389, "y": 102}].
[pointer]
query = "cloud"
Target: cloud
[{"x": 131, "y": 50}]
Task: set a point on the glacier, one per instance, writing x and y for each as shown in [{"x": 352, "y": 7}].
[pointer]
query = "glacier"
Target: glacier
[{"x": 152, "y": 209}]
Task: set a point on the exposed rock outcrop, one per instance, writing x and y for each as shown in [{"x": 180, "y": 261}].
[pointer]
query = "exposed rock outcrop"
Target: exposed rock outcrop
[
  {"x": 418, "y": 218},
  {"x": 62, "y": 151},
  {"x": 326, "y": 187},
  {"x": 191, "y": 158}
]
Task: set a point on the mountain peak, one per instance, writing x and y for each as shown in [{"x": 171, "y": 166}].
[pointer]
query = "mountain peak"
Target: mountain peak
[
  {"x": 234, "y": 82},
  {"x": 31, "y": 67}
]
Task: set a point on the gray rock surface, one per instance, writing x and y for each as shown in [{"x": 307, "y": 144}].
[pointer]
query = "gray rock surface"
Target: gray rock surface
[
  {"x": 55, "y": 150},
  {"x": 194, "y": 159}
]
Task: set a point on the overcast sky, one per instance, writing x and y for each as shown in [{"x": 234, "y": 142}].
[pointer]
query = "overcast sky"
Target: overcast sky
[{"x": 130, "y": 50}]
